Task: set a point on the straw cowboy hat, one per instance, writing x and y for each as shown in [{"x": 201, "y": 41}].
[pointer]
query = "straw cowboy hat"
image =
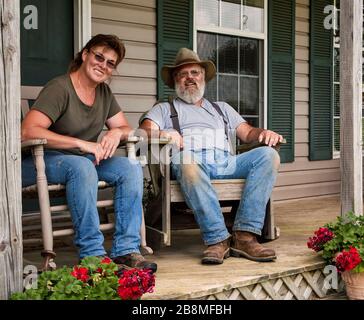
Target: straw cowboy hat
[{"x": 186, "y": 56}]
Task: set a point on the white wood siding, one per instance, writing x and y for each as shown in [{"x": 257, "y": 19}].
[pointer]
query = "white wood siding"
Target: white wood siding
[
  {"x": 304, "y": 178},
  {"x": 135, "y": 81}
]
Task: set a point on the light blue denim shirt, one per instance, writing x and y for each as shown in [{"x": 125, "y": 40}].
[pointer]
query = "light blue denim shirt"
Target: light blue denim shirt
[{"x": 201, "y": 127}]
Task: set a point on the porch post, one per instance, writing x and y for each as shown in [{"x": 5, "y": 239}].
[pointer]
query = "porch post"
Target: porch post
[
  {"x": 351, "y": 29},
  {"x": 82, "y": 23},
  {"x": 11, "y": 249}
]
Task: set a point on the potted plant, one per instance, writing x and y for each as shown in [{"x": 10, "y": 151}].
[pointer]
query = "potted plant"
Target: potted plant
[
  {"x": 342, "y": 245},
  {"x": 93, "y": 279}
]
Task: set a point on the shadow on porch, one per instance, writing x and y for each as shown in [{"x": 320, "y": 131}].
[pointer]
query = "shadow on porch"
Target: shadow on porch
[{"x": 296, "y": 274}]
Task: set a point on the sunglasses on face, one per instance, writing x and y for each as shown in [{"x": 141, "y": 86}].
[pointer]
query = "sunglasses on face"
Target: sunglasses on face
[{"x": 100, "y": 58}]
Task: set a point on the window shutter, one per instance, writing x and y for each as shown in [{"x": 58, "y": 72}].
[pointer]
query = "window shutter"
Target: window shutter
[
  {"x": 281, "y": 74},
  {"x": 175, "y": 30},
  {"x": 321, "y": 84}
]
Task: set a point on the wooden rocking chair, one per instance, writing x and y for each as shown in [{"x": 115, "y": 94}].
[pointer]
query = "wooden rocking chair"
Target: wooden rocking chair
[{"x": 167, "y": 211}]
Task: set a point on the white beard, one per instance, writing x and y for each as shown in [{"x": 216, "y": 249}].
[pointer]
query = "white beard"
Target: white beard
[{"x": 190, "y": 97}]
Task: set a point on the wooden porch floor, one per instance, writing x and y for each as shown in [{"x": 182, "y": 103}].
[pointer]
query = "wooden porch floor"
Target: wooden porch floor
[{"x": 181, "y": 276}]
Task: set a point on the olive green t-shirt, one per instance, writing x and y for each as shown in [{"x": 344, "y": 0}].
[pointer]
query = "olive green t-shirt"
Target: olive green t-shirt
[{"x": 70, "y": 116}]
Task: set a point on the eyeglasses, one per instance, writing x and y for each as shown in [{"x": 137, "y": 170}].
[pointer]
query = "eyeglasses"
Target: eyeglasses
[
  {"x": 100, "y": 58},
  {"x": 185, "y": 74}
]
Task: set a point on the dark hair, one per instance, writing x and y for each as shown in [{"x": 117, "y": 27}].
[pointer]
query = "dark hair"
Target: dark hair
[{"x": 107, "y": 40}]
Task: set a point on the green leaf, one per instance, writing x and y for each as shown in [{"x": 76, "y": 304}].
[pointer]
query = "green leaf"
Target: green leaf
[{"x": 348, "y": 231}]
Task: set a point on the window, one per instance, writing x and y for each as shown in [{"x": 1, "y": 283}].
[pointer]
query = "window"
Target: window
[
  {"x": 67, "y": 21},
  {"x": 245, "y": 15},
  {"x": 232, "y": 35},
  {"x": 336, "y": 81}
]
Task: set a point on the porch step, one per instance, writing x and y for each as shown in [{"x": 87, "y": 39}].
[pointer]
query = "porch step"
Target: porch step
[{"x": 306, "y": 283}]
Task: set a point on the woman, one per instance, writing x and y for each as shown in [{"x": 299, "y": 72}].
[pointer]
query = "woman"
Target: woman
[{"x": 70, "y": 112}]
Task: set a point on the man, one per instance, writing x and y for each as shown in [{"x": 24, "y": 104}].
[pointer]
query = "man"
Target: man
[{"x": 200, "y": 131}]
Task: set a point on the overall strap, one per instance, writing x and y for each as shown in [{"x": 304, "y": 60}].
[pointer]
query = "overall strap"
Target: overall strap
[
  {"x": 226, "y": 127},
  {"x": 174, "y": 118},
  {"x": 218, "y": 109},
  {"x": 175, "y": 121}
]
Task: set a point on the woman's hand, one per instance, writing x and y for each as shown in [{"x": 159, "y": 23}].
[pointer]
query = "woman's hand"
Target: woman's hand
[
  {"x": 94, "y": 148},
  {"x": 111, "y": 140}
]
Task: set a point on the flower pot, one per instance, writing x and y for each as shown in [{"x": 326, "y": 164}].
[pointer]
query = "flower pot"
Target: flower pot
[{"x": 354, "y": 283}]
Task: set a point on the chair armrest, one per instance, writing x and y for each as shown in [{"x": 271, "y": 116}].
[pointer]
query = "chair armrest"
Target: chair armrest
[
  {"x": 160, "y": 141},
  {"x": 129, "y": 145},
  {"x": 249, "y": 146},
  {"x": 132, "y": 139},
  {"x": 28, "y": 145},
  {"x": 33, "y": 142}
]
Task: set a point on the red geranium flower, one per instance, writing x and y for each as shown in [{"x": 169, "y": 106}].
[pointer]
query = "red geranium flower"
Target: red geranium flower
[
  {"x": 80, "y": 273},
  {"x": 129, "y": 293},
  {"x": 322, "y": 235},
  {"x": 106, "y": 260},
  {"x": 348, "y": 260},
  {"x": 134, "y": 283}
]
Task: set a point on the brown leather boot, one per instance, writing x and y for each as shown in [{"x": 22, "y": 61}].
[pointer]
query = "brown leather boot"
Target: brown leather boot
[
  {"x": 216, "y": 253},
  {"x": 245, "y": 244},
  {"x": 134, "y": 260}
]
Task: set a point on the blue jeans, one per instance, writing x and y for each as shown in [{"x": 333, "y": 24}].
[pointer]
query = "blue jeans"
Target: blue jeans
[
  {"x": 80, "y": 176},
  {"x": 194, "y": 170}
]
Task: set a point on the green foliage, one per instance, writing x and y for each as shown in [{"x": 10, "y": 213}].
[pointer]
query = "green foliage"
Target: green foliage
[
  {"x": 60, "y": 284},
  {"x": 348, "y": 232}
]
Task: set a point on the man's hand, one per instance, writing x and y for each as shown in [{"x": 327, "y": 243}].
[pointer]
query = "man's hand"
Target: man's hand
[
  {"x": 270, "y": 138},
  {"x": 174, "y": 137}
]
